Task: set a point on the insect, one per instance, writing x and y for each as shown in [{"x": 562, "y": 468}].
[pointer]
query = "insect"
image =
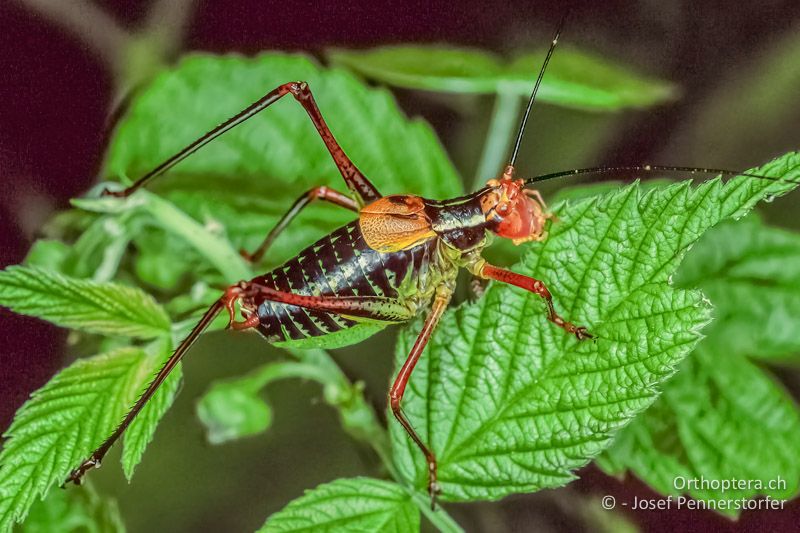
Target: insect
[{"x": 400, "y": 256}]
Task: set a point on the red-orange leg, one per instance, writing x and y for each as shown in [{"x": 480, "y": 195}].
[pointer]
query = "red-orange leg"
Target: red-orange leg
[
  {"x": 317, "y": 193},
  {"x": 537, "y": 287},
  {"x": 373, "y": 307},
  {"x": 399, "y": 387}
]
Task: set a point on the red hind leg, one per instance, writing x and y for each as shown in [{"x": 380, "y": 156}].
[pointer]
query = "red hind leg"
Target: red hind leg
[
  {"x": 97, "y": 456},
  {"x": 363, "y": 190},
  {"x": 372, "y": 307}
]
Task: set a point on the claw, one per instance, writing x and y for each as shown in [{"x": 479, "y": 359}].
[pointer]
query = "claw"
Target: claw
[
  {"x": 433, "y": 484},
  {"x": 115, "y": 194},
  {"x": 434, "y": 490},
  {"x": 582, "y": 334},
  {"x": 76, "y": 476}
]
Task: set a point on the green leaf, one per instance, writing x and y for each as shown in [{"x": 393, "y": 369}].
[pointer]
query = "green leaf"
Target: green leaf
[
  {"x": 358, "y": 504},
  {"x": 79, "y": 511},
  {"x": 63, "y": 423},
  {"x": 574, "y": 78},
  {"x": 723, "y": 417},
  {"x": 510, "y": 403},
  {"x": 751, "y": 273},
  {"x": 232, "y": 408},
  {"x": 231, "y": 411},
  {"x": 104, "y": 308},
  {"x": 48, "y": 254},
  {"x": 720, "y": 418},
  {"x": 247, "y": 178}
]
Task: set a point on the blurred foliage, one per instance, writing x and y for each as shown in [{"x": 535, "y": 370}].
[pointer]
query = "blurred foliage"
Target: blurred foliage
[
  {"x": 749, "y": 110},
  {"x": 574, "y": 78},
  {"x": 180, "y": 241},
  {"x": 78, "y": 511},
  {"x": 230, "y": 411}
]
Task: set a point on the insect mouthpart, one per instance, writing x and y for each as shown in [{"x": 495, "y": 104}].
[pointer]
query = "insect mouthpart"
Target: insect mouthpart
[{"x": 514, "y": 212}]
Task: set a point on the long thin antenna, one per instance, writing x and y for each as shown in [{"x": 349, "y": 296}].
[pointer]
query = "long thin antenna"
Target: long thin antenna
[
  {"x": 652, "y": 168},
  {"x": 535, "y": 90}
]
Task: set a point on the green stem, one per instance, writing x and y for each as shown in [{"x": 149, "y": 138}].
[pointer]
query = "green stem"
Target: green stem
[
  {"x": 439, "y": 518},
  {"x": 498, "y": 138},
  {"x": 360, "y": 422},
  {"x": 266, "y": 374},
  {"x": 217, "y": 250},
  {"x": 357, "y": 417}
]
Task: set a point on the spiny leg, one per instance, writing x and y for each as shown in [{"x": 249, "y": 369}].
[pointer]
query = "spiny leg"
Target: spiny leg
[
  {"x": 317, "y": 193},
  {"x": 373, "y": 307},
  {"x": 537, "y": 287},
  {"x": 400, "y": 382},
  {"x": 97, "y": 456},
  {"x": 363, "y": 190},
  {"x": 361, "y": 187}
]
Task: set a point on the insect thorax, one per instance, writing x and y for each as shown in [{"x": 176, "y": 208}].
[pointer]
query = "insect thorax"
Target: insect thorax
[{"x": 459, "y": 222}]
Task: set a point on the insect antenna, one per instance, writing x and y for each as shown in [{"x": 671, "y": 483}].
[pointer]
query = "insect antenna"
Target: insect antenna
[
  {"x": 508, "y": 173},
  {"x": 652, "y": 168},
  {"x": 510, "y": 168}
]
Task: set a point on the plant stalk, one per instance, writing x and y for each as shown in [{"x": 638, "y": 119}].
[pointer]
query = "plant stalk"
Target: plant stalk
[{"x": 498, "y": 139}]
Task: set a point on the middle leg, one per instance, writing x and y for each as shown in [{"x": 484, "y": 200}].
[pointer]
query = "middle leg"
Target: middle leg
[
  {"x": 317, "y": 193},
  {"x": 400, "y": 382}
]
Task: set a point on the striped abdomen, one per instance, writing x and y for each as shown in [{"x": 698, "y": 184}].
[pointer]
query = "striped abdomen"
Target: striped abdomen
[{"x": 340, "y": 264}]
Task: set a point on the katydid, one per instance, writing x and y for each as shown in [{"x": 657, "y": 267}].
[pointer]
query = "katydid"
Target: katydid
[{"x": 399, "y": 257}]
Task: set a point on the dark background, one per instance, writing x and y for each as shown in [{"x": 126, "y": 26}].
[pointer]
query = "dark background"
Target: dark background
[{"x": 55, "y": 97}]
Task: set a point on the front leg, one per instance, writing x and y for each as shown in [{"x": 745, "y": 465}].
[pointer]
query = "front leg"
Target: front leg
[{"x": 535, "y": 286}]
